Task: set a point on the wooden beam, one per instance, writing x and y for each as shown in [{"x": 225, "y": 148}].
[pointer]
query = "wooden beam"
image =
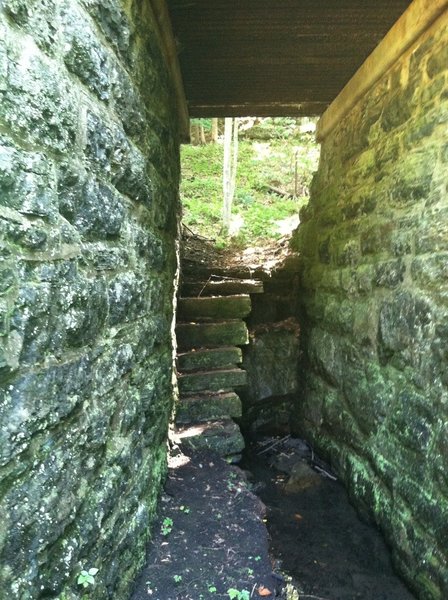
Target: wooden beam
[
  {"x": 255, "y": 109},
  {"x": 417, "y": 19},
  {"x": 165, "y": 29}
]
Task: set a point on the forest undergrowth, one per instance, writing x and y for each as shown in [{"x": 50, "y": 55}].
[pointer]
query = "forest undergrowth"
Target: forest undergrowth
[{"x": 276, "y": 161}]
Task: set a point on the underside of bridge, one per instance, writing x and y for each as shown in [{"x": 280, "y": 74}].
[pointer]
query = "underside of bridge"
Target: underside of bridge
[{"x": 274, "y": 57}]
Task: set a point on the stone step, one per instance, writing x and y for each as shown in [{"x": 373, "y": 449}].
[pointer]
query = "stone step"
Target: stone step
[
  {"x": 223, "y": 436},
  {"x": 216, "y": 307},
  {"x": 213, "y": 381},
  {"x": 222, "y": 287},
  {"x": 223, "y": 333},
  {"x": 210, "y": 358},
  {"x": 206, "y": 407}
]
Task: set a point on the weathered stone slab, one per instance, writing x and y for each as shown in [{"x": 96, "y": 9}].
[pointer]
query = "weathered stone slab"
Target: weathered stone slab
[
  {"x": 223, "y": 437},
  {"x": 217, "y": 307},
  {"x": 210, "y": 358},
  {"x": 222, "y": 286},
  {"x": 224, "y": 333},
  {"x": 220, "y": 379},
  {"x": 208, "y": 407}
]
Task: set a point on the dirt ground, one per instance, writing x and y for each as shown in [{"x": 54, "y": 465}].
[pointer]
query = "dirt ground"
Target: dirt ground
[
  {"x": 210, "y": 536},
  {"x": 316, "y": 535},
  {"x": 211, "y": 539},
  {"x": 199, "y": 253}
]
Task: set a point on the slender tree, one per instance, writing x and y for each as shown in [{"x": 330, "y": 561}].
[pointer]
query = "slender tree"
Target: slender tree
[
  {"x": 214, "y": 134},
  {"x": 229, "y": 169}
]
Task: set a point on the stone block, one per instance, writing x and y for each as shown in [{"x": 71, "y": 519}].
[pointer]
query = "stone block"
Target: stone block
[
  {"x": 432, "y": 236},
  {"x": 216, "y": 380},
  {"x": 225, "y": 286},
  {"x": 390, "y": 274},
  {"x": 430, "y": 271},
  {"x": 404, "y": 322},
  {"x": 27, "y": 180},
  {"x": 208, "y": 407},
  {"x": 413, "y": 177},
  {"x": 223, "y": 333},
  {"x": 116, "y": 157},
  {"x": 93, "y": 207},
  {"x": 211, "y": 358},
  {"x": 302, "y": 477},
  {"x": 39, "y": 104},
  {"x": 398, "y": 109},
  {"x": 218, "y": 307},
  {"x": 437, "y": 61},
  {"x": 271, "y": 362},
  {"x": 83, "y": 54},
  {"x": 130, "y": 107},
  {"x": 223, "y": 437},
  {"x": 377, "y": 239},
  {"x": 126, "y": 298},
  {"x": 37, "y": 19},
  {"x": 111, "y": 18}
]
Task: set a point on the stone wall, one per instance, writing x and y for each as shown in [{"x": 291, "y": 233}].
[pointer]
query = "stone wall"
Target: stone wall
[
  {"x": 374, "y": 242},
  {"x": 88, "y": 218}
]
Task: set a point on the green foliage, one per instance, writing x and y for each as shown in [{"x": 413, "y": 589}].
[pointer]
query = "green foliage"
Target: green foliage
[
  {"x": 167, "y": 526},
  {"x": 263, "y": 167},
  {"x": 87, "y": 578},
  {"x": 177, "y": 578},
  {"x": 206, "y": 123},
  {"x": 237, "y": 594}
]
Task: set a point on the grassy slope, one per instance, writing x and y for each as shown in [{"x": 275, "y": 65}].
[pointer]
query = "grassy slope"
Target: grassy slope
[{"x": 261, "y": 163}]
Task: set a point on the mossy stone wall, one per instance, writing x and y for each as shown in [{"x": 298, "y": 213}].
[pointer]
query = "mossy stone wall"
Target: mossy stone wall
[
  {"x": 374, "y": 246},
  {"x": 88, "y": 218}
]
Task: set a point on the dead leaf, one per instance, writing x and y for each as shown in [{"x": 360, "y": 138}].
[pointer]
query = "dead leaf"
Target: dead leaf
[
  {"x": 298, "y": 517},
  {"x": 264, "y": 591}
]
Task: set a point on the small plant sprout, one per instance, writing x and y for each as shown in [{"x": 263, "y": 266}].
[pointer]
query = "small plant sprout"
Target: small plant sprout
[
  {"x": 257, "y": 558},
  {"x": 87, "y": 577},
  {"x": 212, "y": 589},
  {"x": 250, "y": 571},
  {"x": 184, "y": 509},
  {"x": 237, "y": 594},
  {"x": 167, "y": 526},
  {"x": 177, "y": 578}
]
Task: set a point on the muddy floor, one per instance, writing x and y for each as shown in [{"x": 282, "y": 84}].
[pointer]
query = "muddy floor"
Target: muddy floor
[
  {"x": 211, "y": 540},
  {"x": 315, "y": 534}
]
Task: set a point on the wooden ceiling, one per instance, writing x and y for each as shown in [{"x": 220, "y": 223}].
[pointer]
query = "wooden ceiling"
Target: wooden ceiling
[{"x": 274, "y": 57}]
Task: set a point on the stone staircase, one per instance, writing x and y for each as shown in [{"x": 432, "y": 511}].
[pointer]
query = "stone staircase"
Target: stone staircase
[{"x": 210, "y": 330}]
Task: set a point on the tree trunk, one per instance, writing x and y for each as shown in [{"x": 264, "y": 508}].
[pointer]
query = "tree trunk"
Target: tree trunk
[
  {"x": 214, "y": 134},
  {"x": 229, "y": 169}
]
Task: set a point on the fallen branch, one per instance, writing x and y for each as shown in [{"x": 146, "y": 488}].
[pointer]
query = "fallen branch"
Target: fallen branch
[
  {"x": 274, "y": 444},
  {"x": 197, "y": 236},
  {"x": 325, "y": 473},
  {"x": 279, "y": 192}
]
